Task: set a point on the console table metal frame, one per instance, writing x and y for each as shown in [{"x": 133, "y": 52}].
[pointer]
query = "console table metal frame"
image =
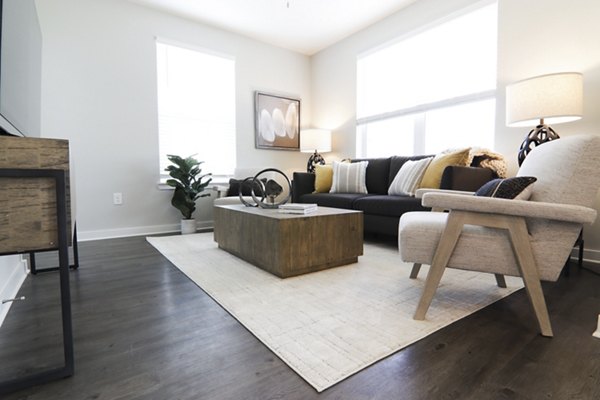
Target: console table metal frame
[
  {"x": 32, "y": 264},
  {"x": 61, "y": 216}
]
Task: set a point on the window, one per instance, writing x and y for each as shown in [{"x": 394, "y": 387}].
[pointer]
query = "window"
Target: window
[
  {"x": 431, "y": 91},
  {"x": 196, "y": 107}
]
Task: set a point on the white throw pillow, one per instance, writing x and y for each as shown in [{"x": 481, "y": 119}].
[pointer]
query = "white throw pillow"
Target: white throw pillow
[
  {"x": 349, "y": 177},
  {"x": 408, "y": 178}
]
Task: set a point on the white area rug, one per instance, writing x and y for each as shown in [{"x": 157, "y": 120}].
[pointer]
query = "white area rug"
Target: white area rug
[{"x": 330, "y": 324}]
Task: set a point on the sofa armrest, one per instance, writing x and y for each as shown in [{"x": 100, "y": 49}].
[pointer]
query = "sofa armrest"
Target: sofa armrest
[
  {"x": 302, "y": 183},
  {"x": 465, "y": 178},
  {"x": 221, "y": 190}
]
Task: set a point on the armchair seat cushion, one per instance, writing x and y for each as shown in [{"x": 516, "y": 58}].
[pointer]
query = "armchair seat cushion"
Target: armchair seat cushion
[
  {"x": 388, "y": 205},
  {"x": 419, "y": 234}
]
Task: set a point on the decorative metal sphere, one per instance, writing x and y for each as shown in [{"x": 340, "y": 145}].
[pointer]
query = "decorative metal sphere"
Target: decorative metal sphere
[
  {"x": 244, "y": 202},
  {"x": 270, "y": 189}
]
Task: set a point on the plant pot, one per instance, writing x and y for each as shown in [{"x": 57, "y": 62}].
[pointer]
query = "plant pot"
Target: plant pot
[{"x": 188, "y": 226}]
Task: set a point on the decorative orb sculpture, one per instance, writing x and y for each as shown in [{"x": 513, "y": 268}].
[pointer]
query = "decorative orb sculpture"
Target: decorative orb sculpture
[
  {"x": 275, "y": 189},
  {"x": 250, "y": 180}
]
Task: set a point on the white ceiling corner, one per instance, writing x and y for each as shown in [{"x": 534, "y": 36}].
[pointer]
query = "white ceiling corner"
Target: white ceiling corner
[{"x": 305, "y": 26}]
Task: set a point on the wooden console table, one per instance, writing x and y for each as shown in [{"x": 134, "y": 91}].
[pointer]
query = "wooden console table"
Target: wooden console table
[{"x": 35, "y": 216}]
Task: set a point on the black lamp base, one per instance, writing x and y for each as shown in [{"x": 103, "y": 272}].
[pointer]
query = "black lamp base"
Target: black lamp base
[
  {"x": 538, "y": 135},
  {"x": 315, "y": 159}
]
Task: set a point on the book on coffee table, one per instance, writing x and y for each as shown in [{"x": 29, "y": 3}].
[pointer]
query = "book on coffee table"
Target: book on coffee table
[{"x": 297, "y": 208}]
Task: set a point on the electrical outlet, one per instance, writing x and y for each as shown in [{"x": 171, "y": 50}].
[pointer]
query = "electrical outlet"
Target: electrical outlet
[{"x": 117, "y": 199}]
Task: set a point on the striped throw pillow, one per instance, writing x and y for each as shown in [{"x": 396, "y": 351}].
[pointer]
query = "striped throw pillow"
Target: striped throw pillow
[
  {"x": 349, "y": 177},
  {"x": 409, "y": 177}
]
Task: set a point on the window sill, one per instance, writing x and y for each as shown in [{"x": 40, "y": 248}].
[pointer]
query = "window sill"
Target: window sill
[{"x": 220, "y": 187}]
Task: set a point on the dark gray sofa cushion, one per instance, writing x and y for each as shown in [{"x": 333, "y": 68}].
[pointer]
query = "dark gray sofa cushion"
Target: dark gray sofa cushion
[
  {"x": 336, "y": 200},
  {"x": 387, "y": 205},
  {"x": 378, "y": 171},
  {"x": 381, "y": 224}
]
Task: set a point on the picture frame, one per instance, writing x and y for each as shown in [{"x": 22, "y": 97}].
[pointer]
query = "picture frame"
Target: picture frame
[{"x": 276, "y": 122}]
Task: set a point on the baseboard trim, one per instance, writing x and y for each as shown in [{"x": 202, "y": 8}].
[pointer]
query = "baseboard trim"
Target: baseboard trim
[
  {"x": 84, "y": 236},
  {"x": 12, "y": 286},
  {"x": 589, "y": 255}
]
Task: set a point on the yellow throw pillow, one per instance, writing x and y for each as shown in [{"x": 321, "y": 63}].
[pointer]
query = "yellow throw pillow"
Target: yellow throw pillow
[
  {"x": 433, "y": 174},
  {"x": 323, "y": 178}
]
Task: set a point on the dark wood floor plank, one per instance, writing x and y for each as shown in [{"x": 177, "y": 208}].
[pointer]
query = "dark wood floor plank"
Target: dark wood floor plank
[{"x": 143, "y": 330}]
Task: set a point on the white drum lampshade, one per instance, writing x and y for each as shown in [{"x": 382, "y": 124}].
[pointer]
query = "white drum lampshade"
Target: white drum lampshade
[{"x": 541, "y": 100}]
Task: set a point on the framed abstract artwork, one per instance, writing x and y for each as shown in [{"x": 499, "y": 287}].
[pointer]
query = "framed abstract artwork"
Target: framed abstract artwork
[{"x": 276, "y": 122}]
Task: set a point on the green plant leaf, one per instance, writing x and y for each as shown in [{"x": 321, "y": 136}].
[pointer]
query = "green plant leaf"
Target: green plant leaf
[
  {"x": 188, "y": 183},
  {"x": 174, "y": 183},
  {"x": 183, "y": 203}
]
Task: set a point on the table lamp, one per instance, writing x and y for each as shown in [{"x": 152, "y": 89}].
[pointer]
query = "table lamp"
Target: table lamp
[
  {"x": 317, "y": 140},
  {"x": 549, "y": 99}
]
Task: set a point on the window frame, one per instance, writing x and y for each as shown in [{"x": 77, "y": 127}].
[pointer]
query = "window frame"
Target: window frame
[
  {"x": 419, "y": 111},
  {"x": 216, "y": 178}
]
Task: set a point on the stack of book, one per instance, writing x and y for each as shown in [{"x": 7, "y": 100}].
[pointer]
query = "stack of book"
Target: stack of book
[{"x": 297, "y": 208}]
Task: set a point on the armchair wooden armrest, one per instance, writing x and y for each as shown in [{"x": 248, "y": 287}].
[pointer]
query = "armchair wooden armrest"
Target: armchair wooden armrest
[{"x": 523, "y": 208}]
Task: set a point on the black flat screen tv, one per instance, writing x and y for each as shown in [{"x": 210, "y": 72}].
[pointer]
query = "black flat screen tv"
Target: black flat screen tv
[{"x": 6, "y": 127}]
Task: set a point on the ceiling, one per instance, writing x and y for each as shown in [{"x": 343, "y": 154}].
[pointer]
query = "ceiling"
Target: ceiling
[{"x": 304, "y": 26}]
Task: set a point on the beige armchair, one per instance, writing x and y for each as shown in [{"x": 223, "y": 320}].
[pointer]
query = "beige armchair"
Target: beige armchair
[{"x": 531, "y": 239}]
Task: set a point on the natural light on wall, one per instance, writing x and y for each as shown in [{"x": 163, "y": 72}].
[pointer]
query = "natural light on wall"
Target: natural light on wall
[
  {"x": 430, "y": 91},
  {"x": 196, "y": 107}
]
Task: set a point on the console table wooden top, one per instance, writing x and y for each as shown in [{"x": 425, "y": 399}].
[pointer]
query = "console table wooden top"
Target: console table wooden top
[{"x": 290, "y": 244}]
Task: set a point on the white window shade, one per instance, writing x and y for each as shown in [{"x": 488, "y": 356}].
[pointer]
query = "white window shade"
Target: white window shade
[
  {"x": 196, "y": 107},
  {"x": 427, "y": 79},
  {"x": 454, "y": 59}
]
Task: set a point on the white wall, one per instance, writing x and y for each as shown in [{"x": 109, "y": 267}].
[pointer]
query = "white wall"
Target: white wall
[
  {"x": 99, "y": 91},
  {"x": 13, "y": 272},
  {"x": 569, "y": 44},
  {"x": 534, "y": 38},
  {"x": 21, "y": 66},
  {"x": 21, "y": 76}
]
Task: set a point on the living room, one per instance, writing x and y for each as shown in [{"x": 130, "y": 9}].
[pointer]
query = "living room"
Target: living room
[{"x": 97, "y": 89}]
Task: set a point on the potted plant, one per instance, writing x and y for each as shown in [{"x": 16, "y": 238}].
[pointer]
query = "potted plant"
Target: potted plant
[{"x": 189, "y": 185}]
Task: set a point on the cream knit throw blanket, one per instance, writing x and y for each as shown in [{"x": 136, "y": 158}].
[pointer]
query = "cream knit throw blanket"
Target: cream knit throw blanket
[{"x": 480, "y": 157}]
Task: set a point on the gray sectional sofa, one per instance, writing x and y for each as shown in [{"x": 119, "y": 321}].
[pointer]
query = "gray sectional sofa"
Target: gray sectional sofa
[{"x": 382, "y": 211}]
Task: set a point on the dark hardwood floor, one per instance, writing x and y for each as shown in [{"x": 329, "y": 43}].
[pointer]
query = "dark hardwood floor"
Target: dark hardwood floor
[{"x": 144, "y": 331}]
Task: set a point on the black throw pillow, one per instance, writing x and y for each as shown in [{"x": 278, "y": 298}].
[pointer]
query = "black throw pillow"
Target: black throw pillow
[
  {"x": 234, "y": 187},
  {"x": 509, "y": 188}
]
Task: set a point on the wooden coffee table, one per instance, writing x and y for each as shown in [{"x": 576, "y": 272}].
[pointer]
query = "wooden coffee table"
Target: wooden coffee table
[{"x": 290, "y": 244}]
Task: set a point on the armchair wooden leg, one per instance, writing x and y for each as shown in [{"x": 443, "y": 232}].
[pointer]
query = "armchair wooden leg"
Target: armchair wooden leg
[
  {"x": 442, "y": 255},
  {"x": 522, "y": 248},
  {"x": 415, "y": 271},
  {"x": 581, "y": 244},
  {"x": 500, "y": 281}
]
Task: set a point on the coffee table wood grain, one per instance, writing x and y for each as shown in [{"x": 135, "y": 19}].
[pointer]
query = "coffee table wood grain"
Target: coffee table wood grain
[{"x": 290, "y": 244}]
